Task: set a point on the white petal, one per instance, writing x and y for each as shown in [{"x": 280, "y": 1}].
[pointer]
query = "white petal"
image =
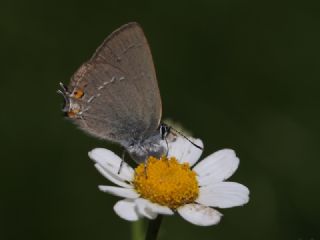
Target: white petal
[
  {"x": 143, "y": 210},
  {"x": 154, "y": 207},
  {"x": 112, "y": 177},
  {"x": 111, "y": 162},
  {"x": 160, "y": 209},
  {"x": 199, "y": 215},
  {"x": 217, "y": 167},
  {"x": 224, "y": 195},
  {"x": 184, "y": 151},
  {"x": 120, "y": 192},
  {"x": 126, "y": 209},
  {"x": 102, "y": 154}
]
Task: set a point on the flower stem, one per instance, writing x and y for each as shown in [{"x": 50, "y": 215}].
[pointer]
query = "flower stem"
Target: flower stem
[
  {"x": 137, "y": 230},
  {"x": 153, "y": 228}
]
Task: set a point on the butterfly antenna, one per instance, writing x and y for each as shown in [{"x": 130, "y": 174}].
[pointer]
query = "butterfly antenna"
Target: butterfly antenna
[{"x": 180, "y": 133}]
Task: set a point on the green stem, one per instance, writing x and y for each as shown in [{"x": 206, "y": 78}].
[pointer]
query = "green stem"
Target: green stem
[
  {"x": 137, "y": 230},
  {"x": 153, "y": 228}
]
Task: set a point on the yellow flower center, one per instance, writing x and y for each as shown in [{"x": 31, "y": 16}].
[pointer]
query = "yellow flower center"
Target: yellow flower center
[{"x": 166, "y": 182}]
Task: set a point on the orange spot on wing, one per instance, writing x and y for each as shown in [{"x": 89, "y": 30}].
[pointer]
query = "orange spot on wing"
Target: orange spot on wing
[
  {"x": 78, "y": 93},
  {"x": 73, "y": 113}
]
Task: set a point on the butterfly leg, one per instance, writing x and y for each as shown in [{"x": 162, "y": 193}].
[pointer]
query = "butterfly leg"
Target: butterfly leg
[
  {"x": 122, "y": 161},
  {"x": 167, "y": 146},
  {"x": 145, "y": 170}
]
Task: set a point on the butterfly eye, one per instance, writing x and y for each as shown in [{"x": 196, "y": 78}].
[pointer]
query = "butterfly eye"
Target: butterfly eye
[{"x": 164, "y": 130}]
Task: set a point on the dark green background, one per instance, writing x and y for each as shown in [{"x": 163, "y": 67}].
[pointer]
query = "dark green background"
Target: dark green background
[{"x": 238, "y": 74}]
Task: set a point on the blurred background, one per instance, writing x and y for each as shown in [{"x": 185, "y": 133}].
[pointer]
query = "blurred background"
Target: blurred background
[{"x": 237, "y": 74}]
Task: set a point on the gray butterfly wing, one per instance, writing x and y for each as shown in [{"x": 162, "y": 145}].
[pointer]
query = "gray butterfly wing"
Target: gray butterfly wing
[{"x": 115, "y": 94}]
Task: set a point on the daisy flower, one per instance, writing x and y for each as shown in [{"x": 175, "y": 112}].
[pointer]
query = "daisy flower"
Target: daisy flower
[{"x": 173, "y": 183}]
